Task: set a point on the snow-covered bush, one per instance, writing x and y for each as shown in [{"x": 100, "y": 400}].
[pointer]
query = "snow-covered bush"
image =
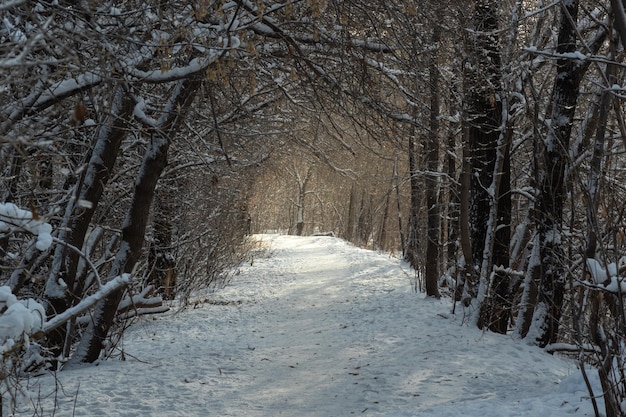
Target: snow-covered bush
[
  {"x": 607, "y": 328},
  {"x": 608, "y": 278},
  {"x": 20, "y": 320},
  {"x": 13, "y": 218}
]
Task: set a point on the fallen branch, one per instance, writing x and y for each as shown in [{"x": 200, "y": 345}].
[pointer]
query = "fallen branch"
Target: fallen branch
[
  {"x": 142, "y": 312},
  {"x": 570, "y": 348},
  {"x": 140, "y": 304},
  {"x": 73, "y": 312}
]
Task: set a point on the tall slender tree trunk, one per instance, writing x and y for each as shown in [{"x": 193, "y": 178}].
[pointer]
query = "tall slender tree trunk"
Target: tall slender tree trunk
[
  {"x": 382, "y": 236},
  {"x": 411, "y": 250},
  {"x": 133, "y": 233},
  {"x": 302, "y": 191},
  {"x": 351, "y": 223},
  {"x": 364, "y": 222},
  {"x": 549, "y": 220},
  {"x": 464, "y": 284},
  {"x": 431, "y": 179},
  {"x": 551, "y": 176},
  {"x": 453, "y": 203},
  {"x": 396, "y": 180},
  {"x": 497, "y": 307},
  {"x": 607, "y": 342}
]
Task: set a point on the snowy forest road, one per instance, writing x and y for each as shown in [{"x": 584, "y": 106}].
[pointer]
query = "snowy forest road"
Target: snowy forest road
[{"x": 318, "y": 327}]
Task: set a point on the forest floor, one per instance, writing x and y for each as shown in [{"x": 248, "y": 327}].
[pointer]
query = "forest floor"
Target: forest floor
[{"x": 317, "y": 327}]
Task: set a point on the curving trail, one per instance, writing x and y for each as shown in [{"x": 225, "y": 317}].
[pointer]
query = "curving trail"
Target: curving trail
[{"x": 321, "y": 328}]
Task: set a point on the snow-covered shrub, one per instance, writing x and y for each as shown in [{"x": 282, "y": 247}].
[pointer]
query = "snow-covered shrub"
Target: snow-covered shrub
[
  {"x": 607, "y": 329},
  {"x": 211, "y": 237},
  {"x": 13, "y": 218},
  {"x": 19, "y": 321}
]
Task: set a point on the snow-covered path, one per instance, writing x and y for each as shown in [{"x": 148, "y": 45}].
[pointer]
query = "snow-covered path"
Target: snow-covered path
[{"x": 320, "y": 328}]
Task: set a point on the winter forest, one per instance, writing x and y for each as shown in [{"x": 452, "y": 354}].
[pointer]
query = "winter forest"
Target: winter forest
[{"x": 482, "y": 141}]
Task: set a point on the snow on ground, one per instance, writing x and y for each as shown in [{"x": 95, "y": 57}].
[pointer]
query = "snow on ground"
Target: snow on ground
[{"x": 319, "y": 328}]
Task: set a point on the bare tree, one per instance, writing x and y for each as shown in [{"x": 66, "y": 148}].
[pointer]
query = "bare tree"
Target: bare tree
[{"x": 553, "y": 177}]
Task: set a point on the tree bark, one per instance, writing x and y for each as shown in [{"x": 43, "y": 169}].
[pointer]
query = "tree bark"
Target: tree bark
[
  {"x": 302, "y": 192},
  {"x": 498, "y": 305},
  {"x": 606, "y": 339},
  {"x": 351, "y": 223},
  {"x": 382, "y": 236},
  {"x": 365, "y": 219},
  {"x": 454, "y": 203},
  {"x": 133, "y": 231},
  {"x": 411, "y": 250},
  {"x": 464, "y": 280},
  {"x": 552, "y": 192},
  {"x": 619, "y": 19},
  {"x": 160, "y": 258},
  {"x": 90, "y": 189},
  {"x": 400, "y": 223},
  {"x": 484, "y": 111},
  {"x": 431, "y": 178}
]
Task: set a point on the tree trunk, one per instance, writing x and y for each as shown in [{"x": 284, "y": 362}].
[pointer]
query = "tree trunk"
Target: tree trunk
[
  {"x": 90, "y": 189},
  {"x": 351, "y": 223},
  {"x": 484, "y": 111},
  {"x": 499, "y": 303},
  {"x": 302, "y": 191},
  {"x": 400, "y": 223},
  {"x": 552, "y": 192},
  {"x": 382, "y": 236},
  {"x": 365, "y": 219},
  {"x": 549, "y": 214},
  {"x": 607, "y": 339},
  {"x": 431, "y": 179},
  {"x": 529, "y": 292},
  {"x": 160, "y": 258},
  {"x": 465, "y": 274},
  {"x": 411, "y": 250},
  {"x": 453, "y": 203},
  {"x": 133, "y": 231},
  {"x": 129, "y": 251}
]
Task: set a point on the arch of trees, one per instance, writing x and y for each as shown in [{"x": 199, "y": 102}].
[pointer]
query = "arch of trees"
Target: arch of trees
[{"x": 484, "y": 140}]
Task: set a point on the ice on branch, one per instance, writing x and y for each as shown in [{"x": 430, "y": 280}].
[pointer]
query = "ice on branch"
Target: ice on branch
[
  {"x": 608, "y": 278},
  {"x": 13, "y": 218},
  {"x": 18, "y": 319}
]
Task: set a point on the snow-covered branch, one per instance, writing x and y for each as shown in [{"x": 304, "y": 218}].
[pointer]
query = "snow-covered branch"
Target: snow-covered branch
[
  {"x": 132, "y": 305},
  {"x": 174, "y": 74},
  {"x": 13, "y": 218},
  {"x": 6, "y": 5},
  {"x": 140, "y": 113},
  {"x": 607, "y": 278},
  {"x": 570, "y": 348},
  {"x": 17, "y": 61},
  {"x": 45, "y": 97},
  {"x": 88, "y": 302}
]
